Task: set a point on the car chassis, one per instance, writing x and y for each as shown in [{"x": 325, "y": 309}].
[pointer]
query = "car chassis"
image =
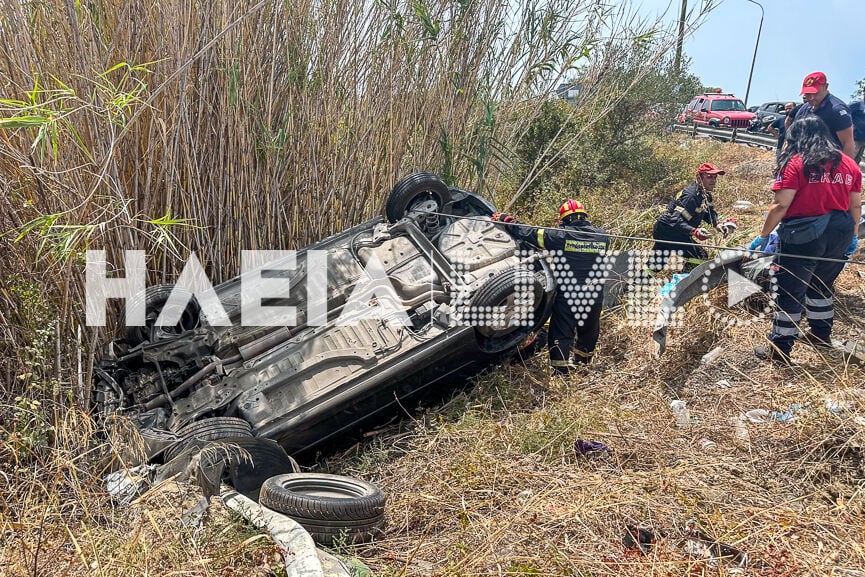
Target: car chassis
[{"x": 446, "y": 262}]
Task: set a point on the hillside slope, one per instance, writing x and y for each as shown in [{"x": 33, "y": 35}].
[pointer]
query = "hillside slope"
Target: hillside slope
[{"x": 489, "y": 482}]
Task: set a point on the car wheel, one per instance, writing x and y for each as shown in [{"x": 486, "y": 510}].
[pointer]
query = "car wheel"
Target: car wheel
[
  {"x": 417, "y": 193},
  {"x": 211, "y": 429},
  {"x": 515, "y": 294},
  {"x": 155, "y": 298},
  {"x": 247, "y": 462},
  {"x": 332, "y": 508}
]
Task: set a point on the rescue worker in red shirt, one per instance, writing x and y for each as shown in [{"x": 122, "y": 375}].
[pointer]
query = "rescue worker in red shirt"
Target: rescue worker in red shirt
[
  {"x": 578, "y": 249},
  {"x": 817, "y": 205}
]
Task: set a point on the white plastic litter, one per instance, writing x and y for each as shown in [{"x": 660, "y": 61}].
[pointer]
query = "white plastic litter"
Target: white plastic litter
[
  {"x": 681, "y": 413},
  {"x": 712, "y": 355},
  {"x": 757, "y": 415},
  {"x": 127, "y": 484}
]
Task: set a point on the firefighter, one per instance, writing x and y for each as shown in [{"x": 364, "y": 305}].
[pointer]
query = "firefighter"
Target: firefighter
[
  {"x": 677, "y": 227},
  {"x": 577, "y": 249}
]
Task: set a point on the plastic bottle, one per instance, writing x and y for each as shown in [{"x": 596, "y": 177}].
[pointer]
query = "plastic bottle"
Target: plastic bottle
[{"x": 680, "y": 412}]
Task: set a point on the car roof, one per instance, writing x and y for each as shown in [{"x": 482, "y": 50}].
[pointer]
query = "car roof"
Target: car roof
[{"x": 718, "y": 96}]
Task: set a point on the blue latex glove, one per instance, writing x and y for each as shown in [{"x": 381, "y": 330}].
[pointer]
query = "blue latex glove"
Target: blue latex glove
[
  {"x": 854, "y": 244},
  {"x": 759, "y": 243}
]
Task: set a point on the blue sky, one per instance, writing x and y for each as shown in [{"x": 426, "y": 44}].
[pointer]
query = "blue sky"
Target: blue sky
[{"x": 721, "y": 49}]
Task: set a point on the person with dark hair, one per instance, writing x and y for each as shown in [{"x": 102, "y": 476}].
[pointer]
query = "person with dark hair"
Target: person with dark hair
[
  {"x": 677, "y": 227},
  {"x": 857, "y": 113},
  {"x": 817, "y": 205},
  {"x": 778, "y": 128},
  {"x": 579, "y": 279},
  {"x": 828, "y": 108}
]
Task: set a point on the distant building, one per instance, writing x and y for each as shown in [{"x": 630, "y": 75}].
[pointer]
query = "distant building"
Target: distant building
[{"x": 569, "y": 92}]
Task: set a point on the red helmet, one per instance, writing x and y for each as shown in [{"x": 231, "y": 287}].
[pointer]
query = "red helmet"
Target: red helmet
[{"x": 571, "y": 206}]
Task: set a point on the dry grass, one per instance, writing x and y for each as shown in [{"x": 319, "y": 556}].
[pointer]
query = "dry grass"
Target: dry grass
[
  {"x": 490, "y": 484},
  {"x": 270, "y": 140}
]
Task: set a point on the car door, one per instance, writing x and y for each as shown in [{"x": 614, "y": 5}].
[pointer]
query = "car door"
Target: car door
[
  {"x": 701, "y": 113},
  {"x": 688, "y": 113}
]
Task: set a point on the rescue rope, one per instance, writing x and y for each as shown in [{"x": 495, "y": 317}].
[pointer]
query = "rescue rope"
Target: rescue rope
[{"x": 744, "y": 251}]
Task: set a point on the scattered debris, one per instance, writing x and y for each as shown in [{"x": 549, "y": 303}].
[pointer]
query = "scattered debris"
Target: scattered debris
[
  {"x": 712, "y": 356},
  {"x": 195, "y": 516},
  {"x": 591, "y": 448},
  {"x": 741, "y": 428},
  {"x": 787, "y": 416},
  {"x": 699, "y": 545},
  {"x": 680, "y": 411},
  {"x": 668, "y": 288},
  {"x": 764, "y": 415},
  {"x": 757, "y": 415},
  {"x": 707, "y": 444},
  {"x": 723, "y": 384},
  {"x": 854, "y": 352},
  {"x": 126, "y": 485},
  {"x": 636, "y": 537},
  {"x": 743, "y": 206}
]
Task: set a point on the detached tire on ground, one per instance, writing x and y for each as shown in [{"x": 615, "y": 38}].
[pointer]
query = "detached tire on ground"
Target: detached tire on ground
[{"x": 332, "y": 508}]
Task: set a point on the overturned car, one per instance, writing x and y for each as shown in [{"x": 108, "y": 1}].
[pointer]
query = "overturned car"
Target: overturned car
[{"x": 381, "y": 312}]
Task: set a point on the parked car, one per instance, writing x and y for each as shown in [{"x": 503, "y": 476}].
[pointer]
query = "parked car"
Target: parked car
[
  {"x": 767, "y": 113},
  {"x": 717, "y": 110},
  {"x": 308, "y": 384}
]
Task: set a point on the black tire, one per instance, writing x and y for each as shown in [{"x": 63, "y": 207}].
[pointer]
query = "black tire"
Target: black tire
[
  {"x": 211, "y": 429},
  {"x": 502, "y": 290},
  {"x": 249, "y": 461},
  {"x": 332, "y": 508},
  {"x": 320, "y": 497},
  {"x": 415, "y": 192},
  {"x": 154, "y": 298},
  {"x": 344, "y": 535}
]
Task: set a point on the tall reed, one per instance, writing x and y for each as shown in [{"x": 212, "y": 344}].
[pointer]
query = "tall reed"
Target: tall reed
[{"x": 219, "y": 126}]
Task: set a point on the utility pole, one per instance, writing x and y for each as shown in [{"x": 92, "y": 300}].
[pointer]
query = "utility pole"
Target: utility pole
[
  {"x": 681, "y": 38},
  {"x": 756, "y": 45}
]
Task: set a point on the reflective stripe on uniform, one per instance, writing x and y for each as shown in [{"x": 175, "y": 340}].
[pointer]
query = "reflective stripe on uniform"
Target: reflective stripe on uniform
[
  {"x": 583, "y": 354},
  {"x": 817, "y": 303},
  {"x": 786, "y": 324},
  {"x": 541, "y": 238},
  {"x": 819, "y": 309},
  {"x": 564, "y": 363},
  {"x": 685, "y": 214}
]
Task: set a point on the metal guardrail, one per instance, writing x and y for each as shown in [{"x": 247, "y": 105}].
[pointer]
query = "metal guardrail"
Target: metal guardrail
[
  {"x": 728, "y": 135},
  {"x": 733, "y": 135}
]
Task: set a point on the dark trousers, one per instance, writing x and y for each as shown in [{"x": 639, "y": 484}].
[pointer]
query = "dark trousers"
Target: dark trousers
[
  {"x": 692, "y": 252},
  {"x": 806, "y": 283},
  {"x": 569, "y": 320}
]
